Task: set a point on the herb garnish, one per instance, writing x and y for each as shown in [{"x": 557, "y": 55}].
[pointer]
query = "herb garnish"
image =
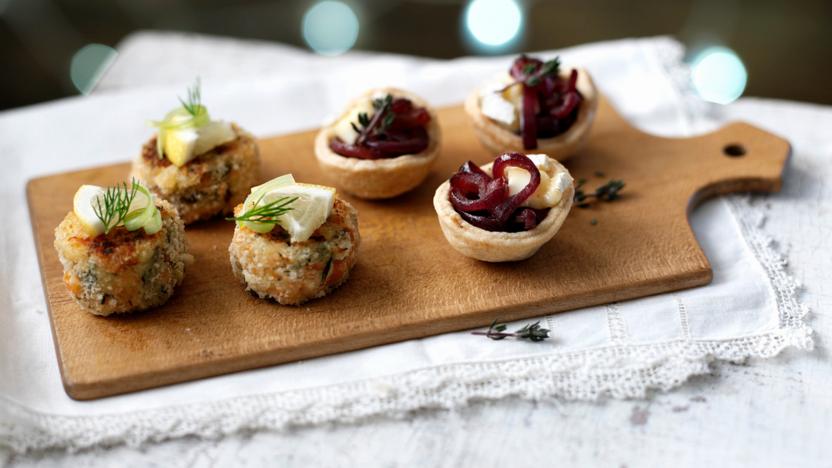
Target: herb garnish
[
  {"x": 192, "y": 105},
  {"x": 533, "y": 332},
  {"x": 533, "y": 75},
  {"x": 607, "y": 192},
  {"x": 379, "y": 123},
  {"x": 267, "y": 213},
  {"x": 112, "y": 207},
  {"x": 549, "y": 68}
]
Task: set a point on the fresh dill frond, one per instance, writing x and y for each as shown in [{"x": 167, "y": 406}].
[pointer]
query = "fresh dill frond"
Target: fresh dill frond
[
  {"x": 267, "y": 213},
  {"x": 112, "y": 207},
  {"x": 193, "y": 103}
]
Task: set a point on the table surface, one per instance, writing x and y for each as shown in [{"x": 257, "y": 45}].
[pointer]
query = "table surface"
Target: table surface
[{"x": 760, "y": 413}]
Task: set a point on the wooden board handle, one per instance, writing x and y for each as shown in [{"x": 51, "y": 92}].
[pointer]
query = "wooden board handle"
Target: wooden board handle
[{"x": 736, "y": 158}]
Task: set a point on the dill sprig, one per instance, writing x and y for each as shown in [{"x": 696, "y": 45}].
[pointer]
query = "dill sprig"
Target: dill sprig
[
  {"x": 532, "y": 332},
  {"x": 113, "y": 206},
  {"x": 193, "y": 103},
  {"x": 379, "y": 123},
  {"x": 193, "y": 106},
  {"x": 267, "y": 213}
]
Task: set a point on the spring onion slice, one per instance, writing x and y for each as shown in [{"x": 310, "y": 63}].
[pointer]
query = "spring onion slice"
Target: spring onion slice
[
  {"x": 257, "y": 194},
  {"x": 141, "y": 212},
  {"x": 179, "y": 119},
  {"x": 155, "y": 223}
]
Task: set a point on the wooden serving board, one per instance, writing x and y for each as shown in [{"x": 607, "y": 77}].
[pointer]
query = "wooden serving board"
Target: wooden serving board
[{"x": 408, "y": 282}]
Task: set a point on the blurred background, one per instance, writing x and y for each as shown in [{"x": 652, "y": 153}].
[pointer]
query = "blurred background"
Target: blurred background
[{"x": 780, "y": 49}]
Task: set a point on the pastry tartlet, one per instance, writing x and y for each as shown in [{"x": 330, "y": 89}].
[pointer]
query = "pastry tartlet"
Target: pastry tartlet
[
  {"x": 508, "y": 214},
  {"x": 203, "y": 167},
  {"x": 122, "y": 249},
  {"x": 536, "y": 107},
  {"x": 293, "y": 242},
  {"x": 384, "y": 144}
]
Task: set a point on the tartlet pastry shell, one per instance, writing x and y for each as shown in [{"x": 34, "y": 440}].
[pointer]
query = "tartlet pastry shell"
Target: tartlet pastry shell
[
  {"x": 499, "y": 139},
  {"x": 488, "y": 246},
  {"x": 378, "y": 178}
]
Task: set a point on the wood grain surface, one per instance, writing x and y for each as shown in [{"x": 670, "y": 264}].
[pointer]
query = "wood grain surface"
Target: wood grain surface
[{"x": 408, "y": 282}]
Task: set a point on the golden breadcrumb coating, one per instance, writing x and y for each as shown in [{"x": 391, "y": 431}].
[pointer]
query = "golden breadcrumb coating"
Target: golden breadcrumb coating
[
  {"x": 122, "y": 271},
  {"x": 294, "y": 272},
  {"x": 211, "y": 184}
]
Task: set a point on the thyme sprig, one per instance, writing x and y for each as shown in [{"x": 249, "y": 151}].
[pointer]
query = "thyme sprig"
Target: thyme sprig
[
  {"x": 112, "y": 207},
  {"x": 533, "y": 332},
  {"x": 267, "y": 213},
  {"x": 549, "y": 68},
  {"x": 608, "y": 192},
  {"x": 533, "y": 74},
  {"x": 379, "y": 123}
]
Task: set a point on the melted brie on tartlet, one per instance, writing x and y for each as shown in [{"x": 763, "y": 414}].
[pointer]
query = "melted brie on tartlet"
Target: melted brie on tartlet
[
  {"x": 504, "y": 211},
  {"x": 384, "y": 144},
  {"x": 535, "y": 107}
]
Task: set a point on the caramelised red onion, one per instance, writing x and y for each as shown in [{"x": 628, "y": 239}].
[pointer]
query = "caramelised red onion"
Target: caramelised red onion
[
  {"x": 528, "y": 118},
  {"x": 550, "y": 103},
  {"x": 484, "y": 200},
  {"x": 400, "y": 141},
  {"x": 405, "y": 134}
]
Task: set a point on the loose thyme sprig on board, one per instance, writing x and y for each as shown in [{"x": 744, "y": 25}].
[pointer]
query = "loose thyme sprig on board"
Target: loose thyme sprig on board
[
  {"x": 380, "y": 121},
  {"x": 267, "y": 213},
  {"x": 532, "y": 332},
  {"x": 113, "y": 206},
  {"x": 607, "y": 193}
]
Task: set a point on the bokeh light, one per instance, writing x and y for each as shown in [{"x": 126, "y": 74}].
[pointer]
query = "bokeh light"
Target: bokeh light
[
  {"x": 718, "y": 75},
  {"x": 493, "y": 23},
  {"x": 89, "y": 64},
  {"x": 330, "y": 27}
]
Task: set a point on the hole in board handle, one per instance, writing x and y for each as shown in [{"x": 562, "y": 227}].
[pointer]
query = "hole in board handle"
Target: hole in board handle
[{"x": 734, "y": 150}]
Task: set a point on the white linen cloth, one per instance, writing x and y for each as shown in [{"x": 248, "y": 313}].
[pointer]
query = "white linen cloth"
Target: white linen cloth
[{"x": 619, "y": 350}]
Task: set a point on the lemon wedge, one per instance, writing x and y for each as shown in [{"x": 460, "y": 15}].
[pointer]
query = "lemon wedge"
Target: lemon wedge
[
  {"x": 310, "y": 209},
  {"x": 260, "y": 190},
  {"x": 142, "y": 212},
  {"x": 213, "y": 134},
  {"x": 178, "y": 145},
  {"x": 182, "y": 144},
  {"x": 256, "y": 198},
  {"x": 82, "y": 206}
]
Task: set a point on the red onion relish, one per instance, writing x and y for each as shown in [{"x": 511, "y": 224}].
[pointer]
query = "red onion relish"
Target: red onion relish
[
  {"x": 550, "y": 103},
  {"x": 386, "y": 137},
  {"x": 484, "y": 200}
]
